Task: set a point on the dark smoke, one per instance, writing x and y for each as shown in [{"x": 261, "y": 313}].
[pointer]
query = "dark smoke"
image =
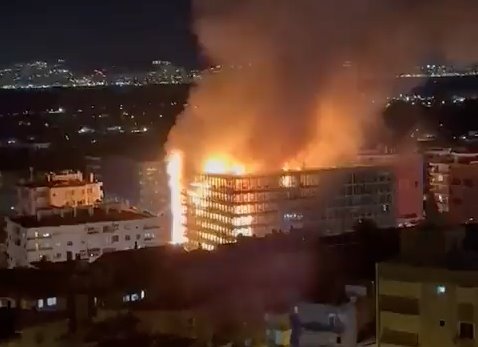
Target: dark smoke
[{"x": 293, "y": 99}]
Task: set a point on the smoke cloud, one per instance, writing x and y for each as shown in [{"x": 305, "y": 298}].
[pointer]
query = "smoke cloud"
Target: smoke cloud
[{"x": 296, "y": 93}]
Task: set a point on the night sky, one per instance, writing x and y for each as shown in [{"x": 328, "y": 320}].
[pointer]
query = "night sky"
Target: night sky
[{"x": 90, "y": 33}]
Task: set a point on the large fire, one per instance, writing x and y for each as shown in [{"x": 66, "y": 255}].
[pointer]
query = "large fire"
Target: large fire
[
  {"x": 215, "y": 164},
  {"x": 175, "y": 173},
  {"x": 200, "y": 192},
  {"x": 221, "y": 164}
]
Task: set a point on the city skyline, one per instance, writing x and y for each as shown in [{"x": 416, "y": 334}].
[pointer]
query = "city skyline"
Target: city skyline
[{"x": 122, "y": 32}]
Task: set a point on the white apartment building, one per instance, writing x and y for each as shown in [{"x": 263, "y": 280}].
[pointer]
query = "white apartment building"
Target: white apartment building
[
  {"x": 61, "y": 234},
  {"x": 67, "y": 188}
]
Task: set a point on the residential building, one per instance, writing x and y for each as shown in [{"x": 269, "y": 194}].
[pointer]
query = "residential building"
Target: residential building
[
  {"x": 428, "y": 296},
  {"x": 85, "y": 232},
  {"x": 409, "y": 173},
  {"x": 453, "y": 181},
  {"x": 142, "y": 182},
  {"x": 219, "y": 208},
  {"x": 66, "y": 188}
]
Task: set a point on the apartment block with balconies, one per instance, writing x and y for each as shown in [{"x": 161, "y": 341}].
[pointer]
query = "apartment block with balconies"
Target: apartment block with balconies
[
  {"x": 455, "y": 187},
  {"x": 428, "y": 306},
  {"x": 54, "y": 190}
]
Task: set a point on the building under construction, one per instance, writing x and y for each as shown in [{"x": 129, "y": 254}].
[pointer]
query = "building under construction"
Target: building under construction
[{"x": 219, "y": 208}]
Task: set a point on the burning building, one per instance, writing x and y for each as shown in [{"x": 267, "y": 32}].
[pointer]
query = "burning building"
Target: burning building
[
  {"x": 219, "y": 208},
  {"x": 294, "y": 88}
]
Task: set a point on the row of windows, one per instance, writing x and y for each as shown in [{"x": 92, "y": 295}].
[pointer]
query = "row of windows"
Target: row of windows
[
  {"x": 467, "y": 182},
  {"x": 211, "y": 237},
  {"x": 49, "y": 302},
  {"x": 214, "y": 199},
  {"x": 108, "y": 228},
  {"x": 73, "y": 192},
  {"x": 300, "y": 179},
  {"x": 116, "y": 238}
]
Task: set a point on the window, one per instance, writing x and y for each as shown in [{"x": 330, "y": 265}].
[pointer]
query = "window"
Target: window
[
  {"x": 127, "y": 238},
  {"x": 134, "y": 297},
  {"x": 339, "y": 340},
  {"x": 126, "y": 298},
  {"x": 40, "y": 303},
  {"x": 115, "y": 238},
  {"x": 441, "y": 290},
  {"x": 456, "y": 181},
  {"x": 468, "y": 182},
  {"x": 332, "y": 319},
  {"x": 69, "y": 243},
  {"x": 138, "y": 236},
  {"x": 467, "y": 330},
  {"x": 51, "y": 301},
  {"x": 442, "y": 323},
  {"x": 108, "y": 229}
]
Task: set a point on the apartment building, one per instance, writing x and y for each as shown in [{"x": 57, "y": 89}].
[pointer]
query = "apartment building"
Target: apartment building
[
  {"x": 408, "y": 169},
  {"x": 219, "y": 208},
  {"x": 429, "y": 295},
  {"x": 453, "y": 181},
  {"x": 66, "y": 188},
  {"x": 84, "y": 232},
  {"x": 426, "y": 306}
]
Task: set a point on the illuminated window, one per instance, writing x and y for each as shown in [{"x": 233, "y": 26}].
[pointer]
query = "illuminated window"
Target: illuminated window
[
  {"x": 51, "y": 301},
  {"x": 440, "y": 290},
  {"x": 40, "y": 303}
]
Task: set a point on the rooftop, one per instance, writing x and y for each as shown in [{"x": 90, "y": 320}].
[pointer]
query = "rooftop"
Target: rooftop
[
  {"x": 79, "y": 216},
  {"x": 55, "y": 184}
]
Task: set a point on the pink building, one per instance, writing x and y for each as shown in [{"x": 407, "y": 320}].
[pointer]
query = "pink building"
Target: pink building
[{"x": 409, "y": 172}]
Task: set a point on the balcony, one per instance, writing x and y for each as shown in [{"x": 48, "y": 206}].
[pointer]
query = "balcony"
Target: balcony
[
  {"x": 398, "y": 338},
  {"x": 397, "y": 304}
]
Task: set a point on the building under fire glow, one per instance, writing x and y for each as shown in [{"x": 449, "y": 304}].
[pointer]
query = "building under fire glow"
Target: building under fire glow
[{"x": 219, "y": 208}]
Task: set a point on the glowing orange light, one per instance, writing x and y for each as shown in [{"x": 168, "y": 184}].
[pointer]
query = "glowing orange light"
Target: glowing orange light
[
  {"x": 219, "y": 164},
  {"x": 175, "y": 170}
]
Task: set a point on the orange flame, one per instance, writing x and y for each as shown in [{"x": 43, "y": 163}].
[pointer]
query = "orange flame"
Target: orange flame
[
  {"x": 175, "y": 172},
  {"x": 222, "y": 164}
]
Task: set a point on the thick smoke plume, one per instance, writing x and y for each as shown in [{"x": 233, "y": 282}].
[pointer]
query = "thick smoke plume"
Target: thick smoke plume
[{"x": 297, "y": 93}]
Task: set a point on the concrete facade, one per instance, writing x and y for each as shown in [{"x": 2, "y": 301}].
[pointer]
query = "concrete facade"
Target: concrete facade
[{"x": 85, "y": 233}]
